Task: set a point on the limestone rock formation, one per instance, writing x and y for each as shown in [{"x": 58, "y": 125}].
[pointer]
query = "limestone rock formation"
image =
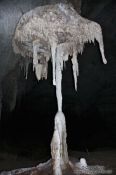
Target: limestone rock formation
[{"x": 57, "y": 32}]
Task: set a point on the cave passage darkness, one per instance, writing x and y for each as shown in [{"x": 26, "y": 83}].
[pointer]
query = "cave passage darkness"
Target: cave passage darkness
[{"x": 90, "y": 112}]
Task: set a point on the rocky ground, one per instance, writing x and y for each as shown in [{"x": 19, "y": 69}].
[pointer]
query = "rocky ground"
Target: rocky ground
[{"x": 106, "y": 158}]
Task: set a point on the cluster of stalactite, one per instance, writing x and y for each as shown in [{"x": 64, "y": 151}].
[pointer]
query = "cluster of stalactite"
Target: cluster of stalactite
[{"x": 45, "y": 31}]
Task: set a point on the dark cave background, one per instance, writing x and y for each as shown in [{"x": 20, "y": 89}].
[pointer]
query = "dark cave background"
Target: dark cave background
[{"x": 28, "y": 107}]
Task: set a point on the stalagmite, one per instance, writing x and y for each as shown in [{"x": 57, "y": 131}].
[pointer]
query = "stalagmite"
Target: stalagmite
[
  {"x": 58, "y": 145},
  {"x": 57, "y": 32}
]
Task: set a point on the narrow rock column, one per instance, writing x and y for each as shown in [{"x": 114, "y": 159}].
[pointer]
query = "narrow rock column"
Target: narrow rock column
[{"x": 58, "y": 144}]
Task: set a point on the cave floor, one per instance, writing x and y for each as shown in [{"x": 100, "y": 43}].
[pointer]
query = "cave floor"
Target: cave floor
[{"x": 106, "y": 158}]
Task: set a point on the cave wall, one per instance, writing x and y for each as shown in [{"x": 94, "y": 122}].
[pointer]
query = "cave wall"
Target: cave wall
[
  {"x": 102, "y": 12},
  {"x": 96, "y": 83}
]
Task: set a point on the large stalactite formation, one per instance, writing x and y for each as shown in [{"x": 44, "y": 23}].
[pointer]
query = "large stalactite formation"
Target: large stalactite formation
[{"x": 56, "y": 32}]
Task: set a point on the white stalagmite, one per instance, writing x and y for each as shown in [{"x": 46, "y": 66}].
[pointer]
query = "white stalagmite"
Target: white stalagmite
[
  {"x": 56, "y": 32},
  {"x": 58, "y": 145}
]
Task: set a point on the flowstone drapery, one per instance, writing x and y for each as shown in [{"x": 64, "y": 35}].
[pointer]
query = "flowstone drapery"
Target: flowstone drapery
[{"x": 56, "y": 32}]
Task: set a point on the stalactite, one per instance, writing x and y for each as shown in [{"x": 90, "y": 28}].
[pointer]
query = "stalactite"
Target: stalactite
[
  {"x": 53, "y": 50},
  {"x": 75, "y": 66}
]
